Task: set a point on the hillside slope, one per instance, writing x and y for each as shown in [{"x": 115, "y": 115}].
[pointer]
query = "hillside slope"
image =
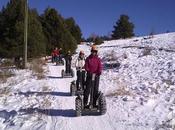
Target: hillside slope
[{"x": 138, "y": 80}]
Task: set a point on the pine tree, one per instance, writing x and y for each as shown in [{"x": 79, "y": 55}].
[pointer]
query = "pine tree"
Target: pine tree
[
  {"x": 123, "y": 28},
  {"x": 74, "y": 29},
  {"x": 98, "y": 40},
  {"x": 56, "y": 32},
  {"x": 12, "y": 31},
  {"x": 36, "y": 39},
  {"x": 44, "y": 33},
  {"x": 11, "y": 28}
]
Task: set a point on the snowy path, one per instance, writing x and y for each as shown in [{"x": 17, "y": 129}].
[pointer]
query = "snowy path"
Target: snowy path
[{"x": 65, "y": 118}]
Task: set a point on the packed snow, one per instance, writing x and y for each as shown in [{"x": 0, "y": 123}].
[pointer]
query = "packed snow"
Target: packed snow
[{"x": 138, "y": 81}]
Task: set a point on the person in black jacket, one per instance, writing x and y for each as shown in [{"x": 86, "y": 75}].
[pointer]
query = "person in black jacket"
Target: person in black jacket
[
  {"x": 68, "y": 59},
  {"x": 60, "y": 54}
]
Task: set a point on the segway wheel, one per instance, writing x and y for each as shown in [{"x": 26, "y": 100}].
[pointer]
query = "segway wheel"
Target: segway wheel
[
  {"x": 102, "y": 104},
  {"x": 78, "y": 105},
  {"x": 72, "y": 73},
  {"x": 62, "y": 73},
  {"x": 73, "y": 89}
]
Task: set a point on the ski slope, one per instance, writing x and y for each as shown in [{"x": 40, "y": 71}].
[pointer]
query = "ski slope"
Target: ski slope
[{"x": 139, "y": 91}]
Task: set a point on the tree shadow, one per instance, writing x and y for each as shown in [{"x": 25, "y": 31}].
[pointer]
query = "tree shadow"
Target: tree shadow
[
  {"x": 27, "y": 94},
  {"x": 49, "y": 112}
]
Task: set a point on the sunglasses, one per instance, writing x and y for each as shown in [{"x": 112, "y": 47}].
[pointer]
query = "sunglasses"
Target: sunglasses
[{"x": 94, "y": 51}]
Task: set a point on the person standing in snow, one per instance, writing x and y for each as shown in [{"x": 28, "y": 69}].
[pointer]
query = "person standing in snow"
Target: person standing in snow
[
  {"x": 55, "y": 54},
  {"x": 79, "y": 64},
  {"x": 60, "y": 54},
  {"x": 93, "y": 65},
  {"x": 68, "y": 59}
]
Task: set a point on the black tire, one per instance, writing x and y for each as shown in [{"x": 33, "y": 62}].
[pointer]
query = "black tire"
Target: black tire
[
  {"x": 78, "y": 106},
  {"x": 72, "y": 73},
  {"x": 62, "y": 73},
  {"x": 102, "y": 104},
  {"x": 73, "y": 89}
]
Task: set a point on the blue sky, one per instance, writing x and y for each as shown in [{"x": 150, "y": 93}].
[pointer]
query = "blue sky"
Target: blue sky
[{"x": 99, "y": 16}]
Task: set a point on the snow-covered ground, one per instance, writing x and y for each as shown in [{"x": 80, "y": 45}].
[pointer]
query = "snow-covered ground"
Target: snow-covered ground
[{"x": 138, "y": 80}]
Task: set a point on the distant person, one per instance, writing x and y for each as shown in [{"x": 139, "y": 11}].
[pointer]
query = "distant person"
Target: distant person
[
  {"x": 55, "y": 54},
  {"x": 52, "y": 54},
  {"x": 93, "y": 66},
  {"x": 60, "y": 54},
  {"x": 68, "y": 59},
  {"x": 80, "y": 67}
]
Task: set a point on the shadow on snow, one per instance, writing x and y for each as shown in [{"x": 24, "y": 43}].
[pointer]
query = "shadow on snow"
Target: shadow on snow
[
  {"x": 7, "y": 115},
  {"x": 54, "y": 77},
  {"x": 44, "y": 93},
  {"x": 50, "y": 112}
]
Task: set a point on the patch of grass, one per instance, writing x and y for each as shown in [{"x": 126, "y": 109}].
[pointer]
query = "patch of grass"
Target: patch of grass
[
  {"x": 36, "y": 66},
  {"x": 169, "y": 82},
  {"x": 46, "y": 103},
  {"x": 5, "y": 74},
  {"x": 45, "y": 88},
  {"x": 121, "y": 89},
  {"x": 124, "y": 56},
  {"x": 7, "y": 63},
  {"x": 146, "y": 51},
  {"x": 5, "y": 91}
]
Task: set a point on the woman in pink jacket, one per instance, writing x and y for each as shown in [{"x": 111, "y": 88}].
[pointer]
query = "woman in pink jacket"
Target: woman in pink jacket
[{"x": 92, "y": 66}]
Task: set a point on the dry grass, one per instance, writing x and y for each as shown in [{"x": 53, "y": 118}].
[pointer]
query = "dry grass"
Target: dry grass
[
  {"x": 124, "y": 56},
  {"x": 7, "y": 63},
  {"x": 6, "y": 70},
  {"x": 45, "y": 89},
  {"x": 121, "y": 92},
  {"x": 36, "y": 66},
  {"x": 5, "y": 74},
  {"x": 169, "y": 82},
  {"x": 5, "y": 91},
  {"x": 121, "y": 89},
  {"x": 46, "y": 103},
  {"x": 146, "y": 51},
  {"x": 112, "y": 56}
]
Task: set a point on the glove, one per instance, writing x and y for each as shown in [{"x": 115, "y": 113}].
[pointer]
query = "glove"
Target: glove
[{"x": 99, "y": 73}]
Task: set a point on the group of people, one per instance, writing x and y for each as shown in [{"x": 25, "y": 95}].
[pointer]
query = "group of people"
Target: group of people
[
  {"x": 86, "y": 68},
  {"x": 56, "y": 55},
  {"x": 89, "y": 66}
]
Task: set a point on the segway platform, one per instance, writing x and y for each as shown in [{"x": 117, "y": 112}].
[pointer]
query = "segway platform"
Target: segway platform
[
  {"x": 91, "y": 112},
  {"x": 67, "y": 75},
  {"x": 100, "y": 109},
  {"x": 60, "y": 63}
]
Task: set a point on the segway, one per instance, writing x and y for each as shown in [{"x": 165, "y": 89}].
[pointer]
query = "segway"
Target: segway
[
  {"x": 59, "y": 61},
  {"x": 99, "y": 109},
  {"x": 69, "y": 73},
  {"x": 77, "y": 89}
]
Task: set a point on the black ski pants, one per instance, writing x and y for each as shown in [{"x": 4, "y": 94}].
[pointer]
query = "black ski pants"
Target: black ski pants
[
  {"x": 68, "y": 67},
  {"x": 89, "y": 87},
  {"x": 80, "y": 79}
]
